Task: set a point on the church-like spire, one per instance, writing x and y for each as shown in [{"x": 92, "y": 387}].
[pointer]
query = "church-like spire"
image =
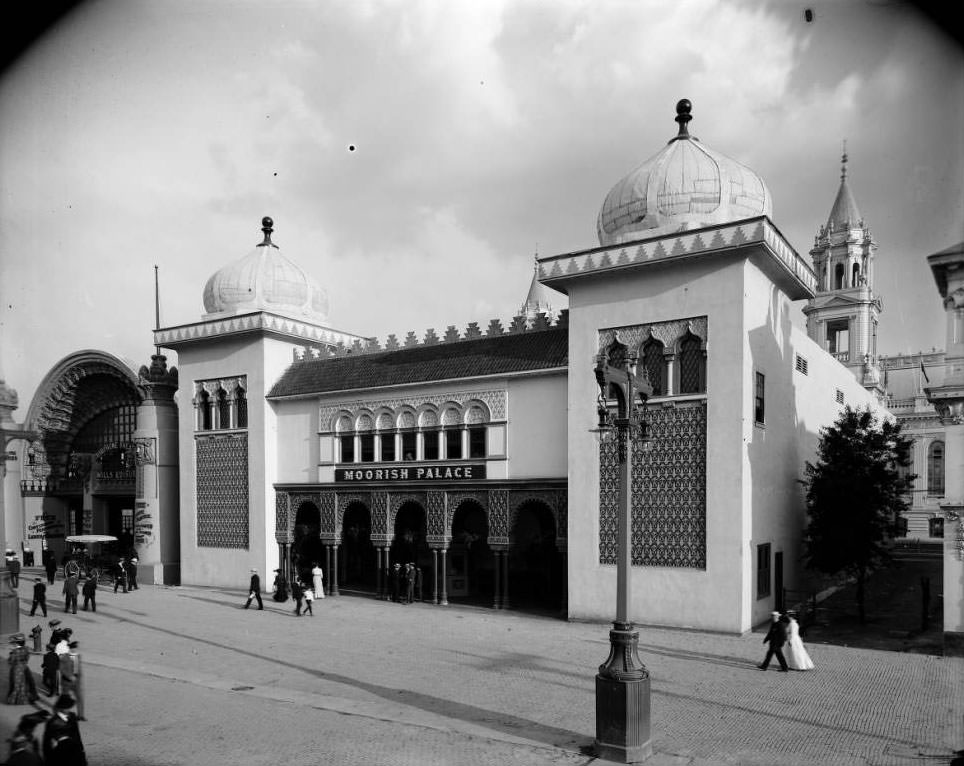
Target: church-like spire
[
  {"x": 844, "y": 212},
  {"x": 538, "y": 298}
]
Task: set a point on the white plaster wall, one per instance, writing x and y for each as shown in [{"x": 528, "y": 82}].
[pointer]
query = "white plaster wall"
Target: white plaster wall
[
  {"x": 297, "y": 439},
  {"x": 262, "y": 359},
  {"x": 709, "y": 598},
  {"x": 537, "y": 426}
]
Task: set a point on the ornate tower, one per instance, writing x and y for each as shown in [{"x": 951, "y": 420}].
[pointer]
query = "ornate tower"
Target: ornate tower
[{"x": 842, "y": 316}]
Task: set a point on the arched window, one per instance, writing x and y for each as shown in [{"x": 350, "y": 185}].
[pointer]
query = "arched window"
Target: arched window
[
  {"x": 241, "y": 403},
  {"x": 654, "y": 364},
  {"x": 935, "y": 469},
  {"x": 224, "y": 409},
  {"x": 838, "y": 276},
  {"x": 204, "y": 410},
  {"x": 855, "y": 275},
  {"x": 692, "y": 368}
]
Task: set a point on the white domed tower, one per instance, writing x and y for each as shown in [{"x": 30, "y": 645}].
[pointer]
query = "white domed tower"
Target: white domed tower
[
  {"x": 265, "y": 279},
  {"x": 686, "y": 185},
  {"x": 261, "y": 312},
  {"x": 842, "y": 317}
]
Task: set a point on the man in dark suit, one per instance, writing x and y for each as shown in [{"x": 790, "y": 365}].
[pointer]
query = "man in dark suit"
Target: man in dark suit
[
  {"x": 90, "y": 593},
  {"x": 39, "y": 596},
  {"x": 62, "y": 743},
  {"x": 254, "y": 590},
  {"x": 70, "y": 594},
  {"x": 776, "y": 637}
]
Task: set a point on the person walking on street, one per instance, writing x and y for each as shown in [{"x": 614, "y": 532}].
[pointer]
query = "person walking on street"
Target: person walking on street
[
  {"x": 62, "y": 745},
  {"x": 70, "y": 677},
  {"x": 776, "y": 637},
  {"x": 22, "y": 690},
  {"x": 797, "y": 656},
  {"x": 418, "y": 583},
  {"x": 51, "y": 567},
  {"x": 298, "y": 594},
  {"x": 254, "y": 590},
  {"x": 396, "y": 582},
  {"x": 318, "y": 581},
  {"x": 131, "y": 582},
  {"x": 90, "y": 593},
  {"x": 51, "y": 672},
  {"x": 309, "y": 597},
  {"x": 13, "y": 566},
  {"x": 120, "y": 576},
  {"x": 410, "y": 583},
  {"x": 70, "y": 594},
  {"x": 39, "y": 597}
]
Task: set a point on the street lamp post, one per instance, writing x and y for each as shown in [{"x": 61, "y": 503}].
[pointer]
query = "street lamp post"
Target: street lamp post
[{"x": 622, "y": 684}]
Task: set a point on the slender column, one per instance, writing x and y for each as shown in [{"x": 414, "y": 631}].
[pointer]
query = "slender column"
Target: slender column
[
  {"x": 444, "y": 600},
  {"x": 505, "y": 579},
  {"x": 497, "y": 596},
  {"x": 565, "y": 583},
  {"x": 387, "y": 573},
  {"x": 328, "y": 565},
  {"x": 334, "y": 581},
  {"x": 378, "y": 573},
  {"x": 434, "y": 576}
]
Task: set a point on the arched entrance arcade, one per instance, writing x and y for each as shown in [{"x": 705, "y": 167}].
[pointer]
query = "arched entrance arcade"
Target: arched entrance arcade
[
  {"x": 488, "y": 547},
  {"x": 306, "y": 548}
]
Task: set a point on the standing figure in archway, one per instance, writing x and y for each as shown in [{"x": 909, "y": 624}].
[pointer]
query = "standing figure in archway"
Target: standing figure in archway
[{"x": 318, "y": 581}]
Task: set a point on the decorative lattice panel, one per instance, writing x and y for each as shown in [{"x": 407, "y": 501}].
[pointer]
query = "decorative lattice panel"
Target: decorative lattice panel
[
  {"x": 222, "y": 491},
  {"x": 668, "y": 488}
]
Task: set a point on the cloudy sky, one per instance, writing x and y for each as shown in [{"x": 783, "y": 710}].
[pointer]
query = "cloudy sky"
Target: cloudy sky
[{"x": 415, "y": 154}]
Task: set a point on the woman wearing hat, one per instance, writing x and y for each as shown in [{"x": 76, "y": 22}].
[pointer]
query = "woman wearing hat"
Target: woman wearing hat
[
  {"x": 62, "y": 744},
  {"x": 23, "y": 691}
]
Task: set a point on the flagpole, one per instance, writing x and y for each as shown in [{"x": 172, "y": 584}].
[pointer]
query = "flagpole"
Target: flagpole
[{"x": 157, "y": 308}]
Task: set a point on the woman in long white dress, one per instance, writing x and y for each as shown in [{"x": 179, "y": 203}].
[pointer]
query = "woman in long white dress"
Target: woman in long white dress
[
  {"x": 797, "y": 657},
  {"x": 318, "y": 581}
]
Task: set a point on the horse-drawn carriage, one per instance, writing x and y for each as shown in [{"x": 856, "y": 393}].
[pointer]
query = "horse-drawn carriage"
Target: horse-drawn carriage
[{"x": 91, "y": 556}]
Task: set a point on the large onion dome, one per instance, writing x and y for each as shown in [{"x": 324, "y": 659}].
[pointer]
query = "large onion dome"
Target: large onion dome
[
  {"x": 265, "y": 280},
  {"x": 687, "y": 185}
]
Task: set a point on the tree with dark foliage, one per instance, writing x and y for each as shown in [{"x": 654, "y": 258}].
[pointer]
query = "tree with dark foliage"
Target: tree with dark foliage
[{"x": 856, "y": 492}]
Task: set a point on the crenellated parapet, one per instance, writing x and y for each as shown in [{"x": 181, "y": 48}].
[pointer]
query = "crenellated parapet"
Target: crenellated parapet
[{"x": 517, "y": 325}]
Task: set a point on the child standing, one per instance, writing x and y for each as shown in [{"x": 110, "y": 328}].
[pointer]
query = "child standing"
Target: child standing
[{"x": 309, "y": 597}]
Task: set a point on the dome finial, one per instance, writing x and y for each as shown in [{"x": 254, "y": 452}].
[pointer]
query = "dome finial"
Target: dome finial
[
  {"x": 267, "y": 226},
  {"x": 683, "y": 109},
  {"x": 843, "y": 162}
]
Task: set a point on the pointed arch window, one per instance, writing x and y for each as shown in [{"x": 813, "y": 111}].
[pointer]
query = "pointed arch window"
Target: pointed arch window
[
  {"x": 692, "y": 366},
  {"x": 204, "y": 410},
  {"x": 935, "y": 469},
  {"x": 855, "y": 275},
  {"x": 224, "y": 409},
  {"x": 241, "y": 402},
  {"x": 654, "y": 363}
]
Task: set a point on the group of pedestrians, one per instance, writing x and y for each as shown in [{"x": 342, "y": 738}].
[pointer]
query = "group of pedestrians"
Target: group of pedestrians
[
  {"x": 302, "y": 591},
  {"x": 62, "y": 679},
  {"x": 785, "y": 631},
  {"x": 124, "y": 572},
  {"x": 406, "y": 583}
]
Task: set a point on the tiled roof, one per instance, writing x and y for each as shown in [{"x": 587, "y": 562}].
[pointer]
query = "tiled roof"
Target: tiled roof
[{"x": 499, "y": 355}]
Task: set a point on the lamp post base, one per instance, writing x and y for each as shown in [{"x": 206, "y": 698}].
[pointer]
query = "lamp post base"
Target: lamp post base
[{"x": 623, "y": 701}]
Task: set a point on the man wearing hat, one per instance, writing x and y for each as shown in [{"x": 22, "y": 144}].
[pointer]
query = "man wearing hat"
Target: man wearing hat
[
  {"x": 13, "y": 566},
  {"x": 62, "y": 744},
  {"x": 39, "y": 596},
  {"x": 254, "y": 590},
  {"x": 776, "y": 637}
]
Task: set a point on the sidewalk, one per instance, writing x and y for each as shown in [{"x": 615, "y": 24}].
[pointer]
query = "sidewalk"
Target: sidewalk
[{"x": 185, "y": 676}]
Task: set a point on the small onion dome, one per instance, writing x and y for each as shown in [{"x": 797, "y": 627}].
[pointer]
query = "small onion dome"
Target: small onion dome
[
  {"x": 265, "y": 280},
  {"x": 684, "y": 186}
]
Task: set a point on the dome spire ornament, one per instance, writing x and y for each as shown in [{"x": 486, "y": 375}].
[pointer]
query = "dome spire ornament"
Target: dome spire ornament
[
  {"x": 267, "y": 226},
  {"x": 683, "y": 116}
]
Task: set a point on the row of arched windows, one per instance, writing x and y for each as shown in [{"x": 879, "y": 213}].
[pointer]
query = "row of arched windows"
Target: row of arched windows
[
  {"x": 218, "y": 408},
  {"x": 452, "y": 432},
  {"x": 675, "y": 374}
]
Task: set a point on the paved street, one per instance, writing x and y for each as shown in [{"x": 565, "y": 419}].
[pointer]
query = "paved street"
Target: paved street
[{"x": 185, "y": 676}]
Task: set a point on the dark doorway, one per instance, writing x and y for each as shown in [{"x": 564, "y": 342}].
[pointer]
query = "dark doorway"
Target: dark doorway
[
  {"x": 409, "y": 543},
  {"x": 307, "y": 549},
  {"x": 535, "y": 566},
  {"x": 357, "y": 556},
  {"x": 120, "y": 523},
  {"x": 470, "y": 560}
]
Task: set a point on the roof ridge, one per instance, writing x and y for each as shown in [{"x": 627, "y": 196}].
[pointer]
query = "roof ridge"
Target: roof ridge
[{"x": 541, "y": 322}]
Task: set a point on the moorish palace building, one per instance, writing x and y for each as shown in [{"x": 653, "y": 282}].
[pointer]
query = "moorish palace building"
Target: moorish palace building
[{"x": 279, "y": 440}]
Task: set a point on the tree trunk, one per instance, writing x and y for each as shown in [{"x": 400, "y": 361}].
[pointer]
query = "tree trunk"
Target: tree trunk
[{"x": 861, "y": 612}]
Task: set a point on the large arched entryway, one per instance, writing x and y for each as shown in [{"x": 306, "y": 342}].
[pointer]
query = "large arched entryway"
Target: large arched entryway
[
  {"x": 358, "y": 557},
  {"x": 307, "y": 549},
  {"x": 409, "y": 545},
  {"x": 471, "y": 565},
  {"x": 535, "y": 566}
]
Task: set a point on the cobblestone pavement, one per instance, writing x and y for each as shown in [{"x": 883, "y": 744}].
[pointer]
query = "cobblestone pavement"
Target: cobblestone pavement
[{"x": 185, "y": 676}]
